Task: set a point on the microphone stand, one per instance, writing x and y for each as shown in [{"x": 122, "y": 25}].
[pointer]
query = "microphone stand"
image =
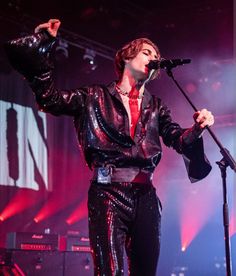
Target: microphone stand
[{"x": 226, "y": 161}]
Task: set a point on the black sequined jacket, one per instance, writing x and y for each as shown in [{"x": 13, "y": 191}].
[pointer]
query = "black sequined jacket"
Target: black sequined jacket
[{"x": 100, "y": 118}]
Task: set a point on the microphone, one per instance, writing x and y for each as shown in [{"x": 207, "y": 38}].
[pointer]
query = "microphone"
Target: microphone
[{"x": 167, "y": 63}]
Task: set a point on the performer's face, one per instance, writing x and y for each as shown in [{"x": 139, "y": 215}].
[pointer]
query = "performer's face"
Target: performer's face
[{"x": 138, "y": 65}]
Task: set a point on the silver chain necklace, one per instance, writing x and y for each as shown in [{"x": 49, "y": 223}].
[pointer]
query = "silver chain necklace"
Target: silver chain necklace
[{"x": 125, "y": 93}]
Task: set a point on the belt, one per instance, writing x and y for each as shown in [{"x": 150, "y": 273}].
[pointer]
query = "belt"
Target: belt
[{"x": 109, "y": 174}]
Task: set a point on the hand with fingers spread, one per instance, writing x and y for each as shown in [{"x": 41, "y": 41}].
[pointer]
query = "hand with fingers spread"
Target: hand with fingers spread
[
  {"x": 203, "y": 118},
  {"x": 51, "y": 26}
]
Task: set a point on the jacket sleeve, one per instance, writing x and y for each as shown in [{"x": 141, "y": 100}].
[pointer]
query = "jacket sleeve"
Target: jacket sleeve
[
  {"x": 30, "y": 56},
  {"x": 187, "y": 142}
]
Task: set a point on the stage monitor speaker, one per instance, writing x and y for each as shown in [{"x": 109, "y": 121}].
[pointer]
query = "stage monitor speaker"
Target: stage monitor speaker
[
  {"x": 79, "y": 264},
  {"x": 38, "y": 263}
]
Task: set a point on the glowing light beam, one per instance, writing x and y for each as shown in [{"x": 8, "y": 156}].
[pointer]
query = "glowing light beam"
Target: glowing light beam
[
  {"x": 195, "y": 211},
  {"x": 23, "y": 200},
  {"x": 79, "y": 213}
]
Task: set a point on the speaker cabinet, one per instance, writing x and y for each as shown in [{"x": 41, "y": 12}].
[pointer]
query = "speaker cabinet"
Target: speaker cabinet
[
  {"x": 38, "y": 263},
  {"x": 78, "y": 263}
]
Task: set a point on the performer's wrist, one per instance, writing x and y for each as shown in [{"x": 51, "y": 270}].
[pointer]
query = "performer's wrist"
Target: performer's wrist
[{"x": 190, "y": 135}]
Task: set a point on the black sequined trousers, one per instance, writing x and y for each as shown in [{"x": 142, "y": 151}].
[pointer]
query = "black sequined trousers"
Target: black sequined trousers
[{"x": 124, "y": 215}]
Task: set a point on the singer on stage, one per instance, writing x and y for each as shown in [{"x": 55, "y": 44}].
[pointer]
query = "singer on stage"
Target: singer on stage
[{"x": 119, "y": 127}]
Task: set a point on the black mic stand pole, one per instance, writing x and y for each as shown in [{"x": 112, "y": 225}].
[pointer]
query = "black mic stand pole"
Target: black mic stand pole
[{"x": 226, "y": 161}]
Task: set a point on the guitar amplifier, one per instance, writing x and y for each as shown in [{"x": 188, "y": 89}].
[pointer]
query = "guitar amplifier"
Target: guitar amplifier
[
  {"x": 77, "y": 244},
  {"x": 34, "y": 241}
]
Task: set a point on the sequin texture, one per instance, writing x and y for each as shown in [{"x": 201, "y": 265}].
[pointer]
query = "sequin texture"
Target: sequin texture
[{"x": 119, "y": 214}]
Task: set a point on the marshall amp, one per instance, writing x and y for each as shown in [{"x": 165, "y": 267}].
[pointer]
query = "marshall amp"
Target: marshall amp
[
  {"x": 77, "y": 244},
  {"x": 34, "y": 241}
]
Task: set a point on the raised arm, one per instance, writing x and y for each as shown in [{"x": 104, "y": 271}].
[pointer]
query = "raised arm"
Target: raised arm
[{"x": 30, "y": 56}]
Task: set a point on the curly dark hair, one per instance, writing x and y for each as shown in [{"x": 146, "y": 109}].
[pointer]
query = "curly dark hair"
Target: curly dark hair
[{"x": 129, "y": 51}]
